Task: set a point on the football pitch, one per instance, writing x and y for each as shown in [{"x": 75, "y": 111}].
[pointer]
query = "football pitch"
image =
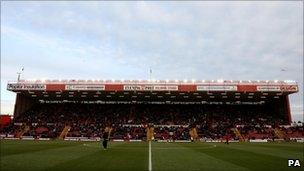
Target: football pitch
[{"x": 69, "y": 155}]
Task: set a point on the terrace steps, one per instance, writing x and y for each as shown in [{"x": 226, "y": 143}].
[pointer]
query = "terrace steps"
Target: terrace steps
[
  {"x": 22, "y": 131},
  {"x": 238, "y": 134},
  {"x": 64, "y": 132},
  {"x": 280, "y": 134}
]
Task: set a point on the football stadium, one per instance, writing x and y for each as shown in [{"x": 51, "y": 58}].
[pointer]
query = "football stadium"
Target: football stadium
[
  {"x": 151, "y": 86},
  {"x": 152, "y": 125}
]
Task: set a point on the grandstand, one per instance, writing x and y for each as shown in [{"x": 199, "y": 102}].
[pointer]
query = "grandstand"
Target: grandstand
[{"x": 179, "y": 110}]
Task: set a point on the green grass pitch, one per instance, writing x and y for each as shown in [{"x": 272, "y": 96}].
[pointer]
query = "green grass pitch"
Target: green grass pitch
[{"x": 66, "y": 155}]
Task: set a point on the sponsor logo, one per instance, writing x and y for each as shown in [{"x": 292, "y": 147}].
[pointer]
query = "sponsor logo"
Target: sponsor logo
[
  {"x": 268, "y": 88},
  {"x": 85, "y": 87},
  {"x": 216, "y": 88},
  {"x": 289, "y": 88},
  {"x": 26, "y": 86},
  {"x": 150, "y": 88}
]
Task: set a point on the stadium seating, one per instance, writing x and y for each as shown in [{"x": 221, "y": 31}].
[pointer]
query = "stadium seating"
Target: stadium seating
[{"x": 171, "y": 122}]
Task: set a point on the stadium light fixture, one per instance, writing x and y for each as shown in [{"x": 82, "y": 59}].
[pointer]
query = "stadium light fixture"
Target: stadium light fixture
[
  {"x": 185, "y": 80},
  {"x": 193, "y": 80},
  {"x": 289, "y": 81},
  {"x": 220, "y": 80}
]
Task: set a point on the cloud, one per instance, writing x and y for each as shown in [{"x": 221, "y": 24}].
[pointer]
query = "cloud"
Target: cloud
[{"x": 200, "y": 40}]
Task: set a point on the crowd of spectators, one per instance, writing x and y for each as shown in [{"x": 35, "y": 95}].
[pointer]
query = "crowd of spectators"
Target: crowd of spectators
[{"x": 171, "y": 121}]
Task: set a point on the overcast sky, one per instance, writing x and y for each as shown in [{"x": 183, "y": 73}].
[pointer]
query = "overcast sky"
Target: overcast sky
[{"x": 179, "y": 40}]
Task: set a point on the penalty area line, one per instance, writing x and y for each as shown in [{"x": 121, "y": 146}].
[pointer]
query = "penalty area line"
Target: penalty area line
[{"x": 150, "y": 157}]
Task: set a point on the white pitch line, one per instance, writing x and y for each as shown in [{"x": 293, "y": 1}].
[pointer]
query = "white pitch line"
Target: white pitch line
[{"x": 150, "y": 156}]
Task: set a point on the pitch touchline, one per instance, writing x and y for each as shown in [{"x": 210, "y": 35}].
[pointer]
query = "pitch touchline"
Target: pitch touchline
[{"x": 150, "y": 157}]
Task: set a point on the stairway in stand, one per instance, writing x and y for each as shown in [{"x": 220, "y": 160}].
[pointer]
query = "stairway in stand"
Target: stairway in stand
[
  {"x": 238, "y": 134},
  {"x": 280, "y": 134},
  {"x": 64, "y": 132},
  {"x": 22, "y": 131}
]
